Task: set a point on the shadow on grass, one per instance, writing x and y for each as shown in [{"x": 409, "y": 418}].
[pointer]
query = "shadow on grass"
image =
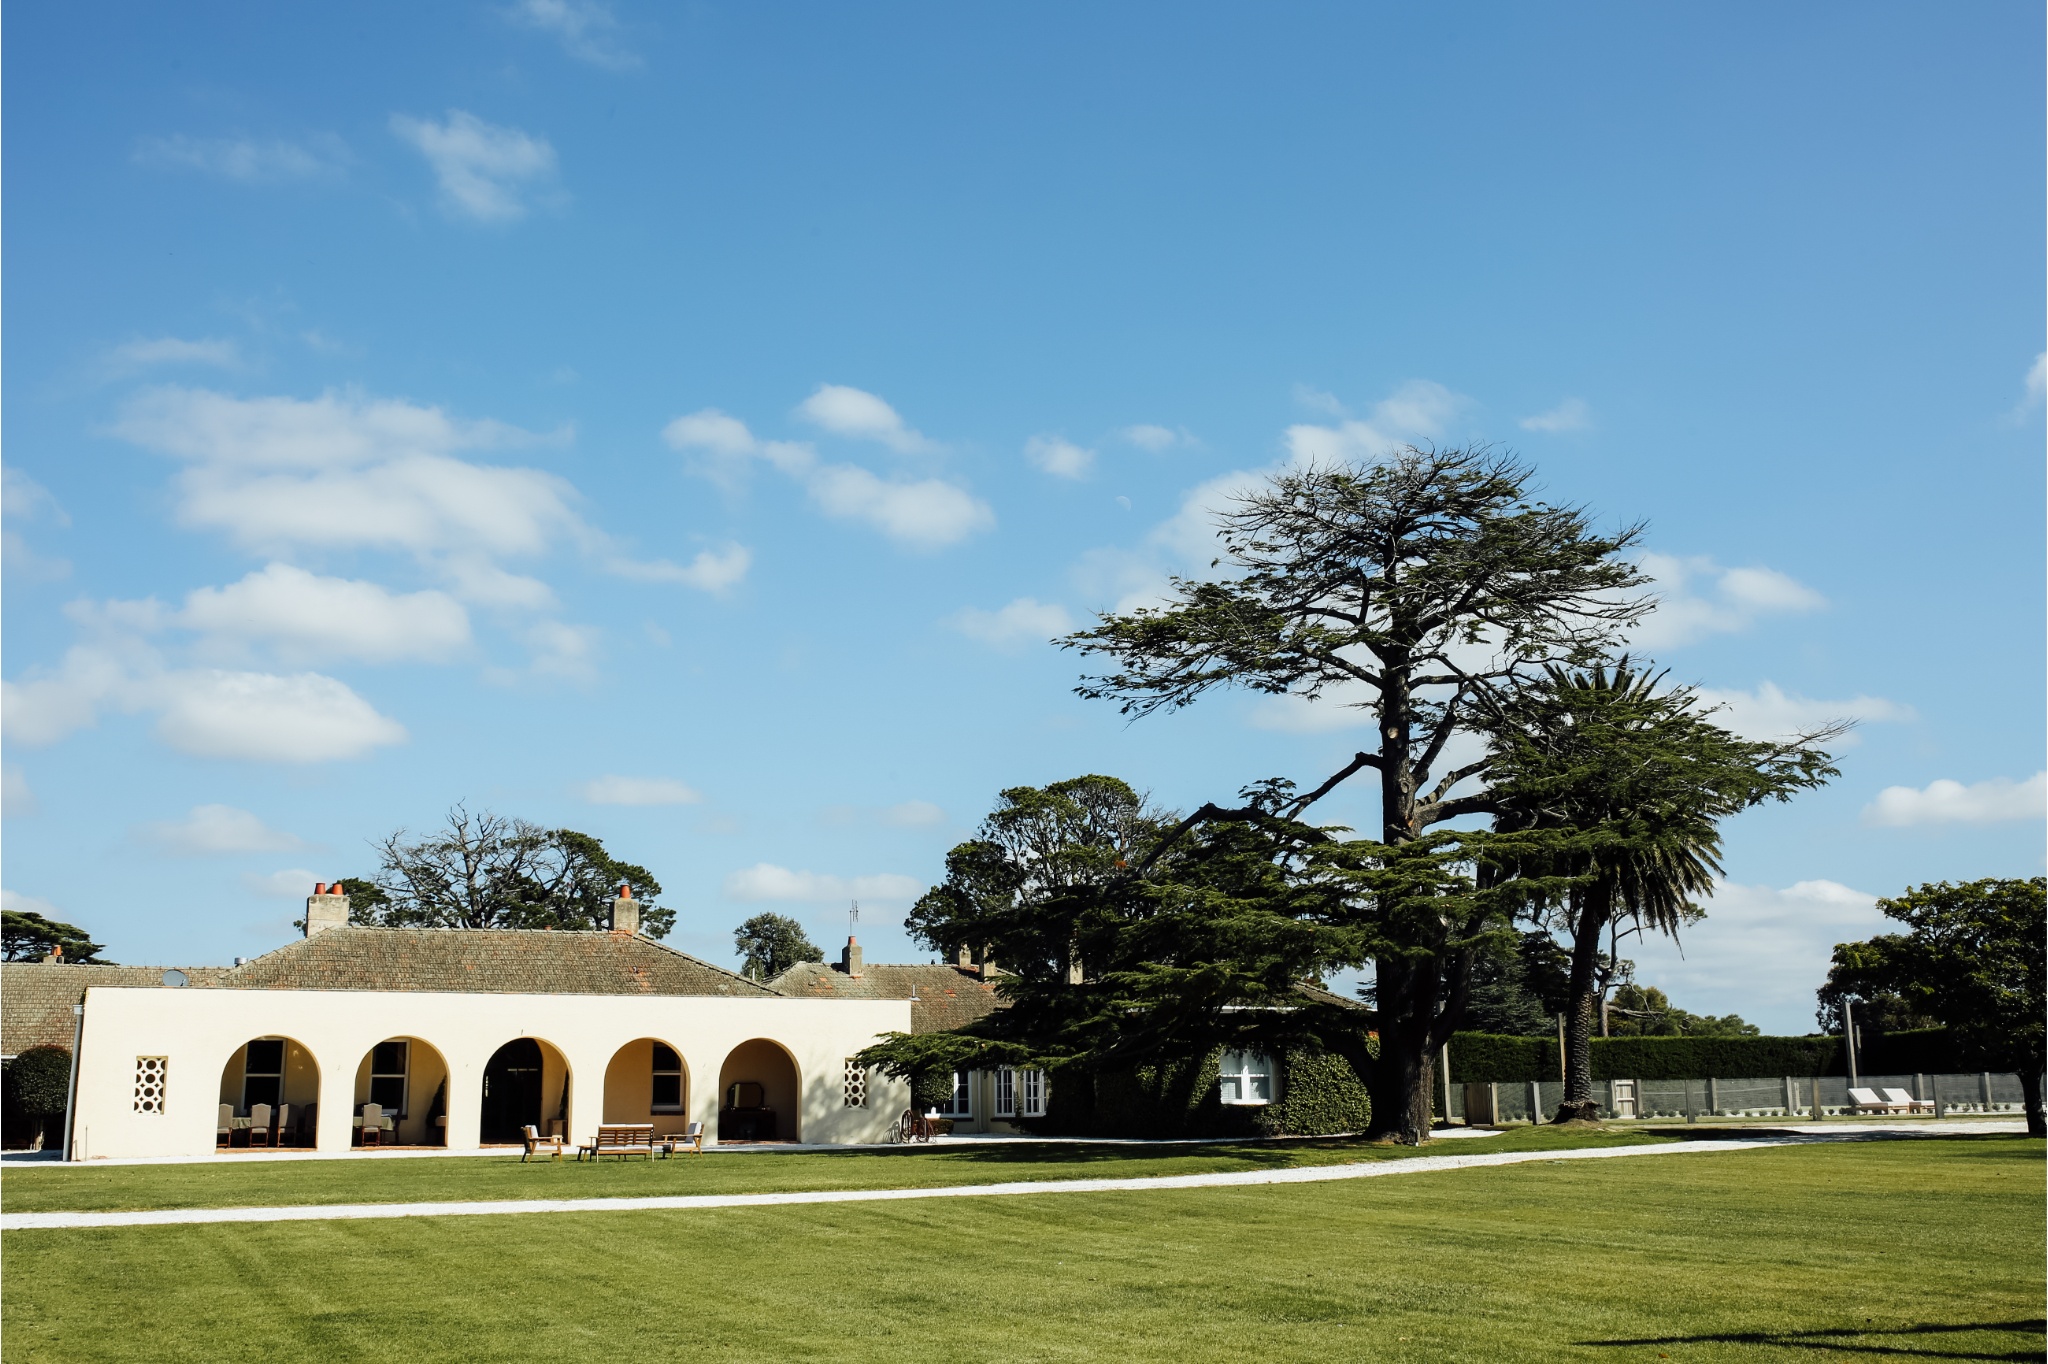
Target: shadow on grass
[{"x": 1848, "y": 1339}]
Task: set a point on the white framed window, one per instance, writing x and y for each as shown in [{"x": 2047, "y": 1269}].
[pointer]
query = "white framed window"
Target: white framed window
[
  {"x": 389, "y": 1065},
  {"x": 666, "y": 1092},
  {"x": 961, "y": 1105},
  {"x": 1020, "y": 1093},
  {"x": 1246, "y": 1077},
  {"x": 263, "y": 1073}
]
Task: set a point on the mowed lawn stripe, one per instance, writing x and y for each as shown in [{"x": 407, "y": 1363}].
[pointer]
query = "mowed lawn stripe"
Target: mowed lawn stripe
[
  {"x": 46, "y": 1221},
  {"x": 1769, "y": 1254}
]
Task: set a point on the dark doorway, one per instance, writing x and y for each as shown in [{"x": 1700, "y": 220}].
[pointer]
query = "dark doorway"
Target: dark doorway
[{"x": 511, "y": 1091}]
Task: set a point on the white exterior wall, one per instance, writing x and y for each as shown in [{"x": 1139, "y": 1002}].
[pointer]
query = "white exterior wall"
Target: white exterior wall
[{"x": 200, "y": 1030}]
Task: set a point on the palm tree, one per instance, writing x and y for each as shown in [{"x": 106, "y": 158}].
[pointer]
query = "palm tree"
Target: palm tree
[{"x": 1639, "y": 778}]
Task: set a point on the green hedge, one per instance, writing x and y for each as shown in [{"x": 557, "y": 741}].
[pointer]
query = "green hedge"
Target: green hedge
[
  {"x": 1322, "y": 1090},
  {"x": 1480, "y": 1057}
]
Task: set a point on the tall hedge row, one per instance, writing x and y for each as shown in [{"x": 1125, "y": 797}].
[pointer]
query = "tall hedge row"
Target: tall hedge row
[{"x": 1480, "y": 1057}]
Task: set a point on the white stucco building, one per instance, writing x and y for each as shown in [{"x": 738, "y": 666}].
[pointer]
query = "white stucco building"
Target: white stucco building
[{"x": 460, "y": 1037}]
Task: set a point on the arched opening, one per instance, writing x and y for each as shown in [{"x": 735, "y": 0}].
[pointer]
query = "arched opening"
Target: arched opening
[
  {"x": 758, "y": 1094},
  {"x": 648, "y": 1082},
  {"x": 269, "y": 1096},
  {"x": 526, "y": 1083},
  {"x": 407, "y": 1080}
]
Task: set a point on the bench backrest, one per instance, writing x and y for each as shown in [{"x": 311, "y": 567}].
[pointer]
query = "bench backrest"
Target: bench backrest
[{"x": 638, "y": 1134}]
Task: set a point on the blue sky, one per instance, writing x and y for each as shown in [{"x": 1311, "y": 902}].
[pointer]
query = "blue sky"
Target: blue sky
[{"x": 687, "y": 424}]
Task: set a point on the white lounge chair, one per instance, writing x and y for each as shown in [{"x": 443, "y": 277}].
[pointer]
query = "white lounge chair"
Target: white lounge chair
[
  {"x": 1908, "y": 1102},
  {"x": 1867, "y": 1101}
]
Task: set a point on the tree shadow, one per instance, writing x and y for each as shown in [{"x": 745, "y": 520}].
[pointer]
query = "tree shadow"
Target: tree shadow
[{"x": 1849, "y": 1339}]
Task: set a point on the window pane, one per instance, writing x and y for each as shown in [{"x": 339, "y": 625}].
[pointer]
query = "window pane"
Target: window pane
[
  {"x": 260, "y": 1089},
  {"x": 266, "y": 1057},
  {"x": 388, "y": 1092},
  {"x": 387, "y": 1058},
  {"x": 1231, "y": 1089},
  {"x": 665, "y": 1057},
  {"x": 668, "y": 1091},
  {"x": 1262, "y": 1088}
]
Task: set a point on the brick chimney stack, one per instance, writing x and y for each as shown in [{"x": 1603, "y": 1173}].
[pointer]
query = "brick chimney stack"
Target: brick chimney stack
[
  {"x": 625, "y": 912},
  {"x": 849, "y": 957},
  {"x": 326, "y": 907}
]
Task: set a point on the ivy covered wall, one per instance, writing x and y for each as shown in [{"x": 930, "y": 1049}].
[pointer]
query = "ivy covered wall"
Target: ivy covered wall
[{"x": 1321, "y": 1090}]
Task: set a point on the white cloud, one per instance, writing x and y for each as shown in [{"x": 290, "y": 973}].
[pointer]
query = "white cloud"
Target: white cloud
[
  {"x": 855, "y": 412},
  {"x": 1338, "y": 708},
  {"x": 265, "y": 717},
  {"x": 638, "y": 791},
  {"x": 1697, "y": 597},
  {"x": 294, "y": 883},
  {"x": 29, "y": 904},
  {"x": 1418, "y": 410},
  {"x": 1155, "y": 438},
  {"x": 1059, "y": 456},
  {"x": 2037, "y": 378},
  {"x": 711, "y": 571},
  {"x": 273, "y": 160},
  {"x": 1770, "y": 713},
  {"x": 1761, "y": 952},
  {"x": 173, "y": 350},
  {"x": 1570, "y": 415},
  {"x": 766, "y": 881},
  {"x": 922, "y": 514},
  {"x": 562, "y": 650},
  {"x": 268, "y": 717},
  {"x": 913, "y": 814},
  {"x": 307, "y": 617},
  {"x": 24, "y": 499},
  {"x": 486, "y": 172},
  {"x": 926, "y": 514},
  {"x": 209, "y": 829},
  {"x": 1023, "y": 621},
  {"x": 1950, "y": 802},
  {"x": 586, "y": 30},
  {"x": 16, "y": 799}
]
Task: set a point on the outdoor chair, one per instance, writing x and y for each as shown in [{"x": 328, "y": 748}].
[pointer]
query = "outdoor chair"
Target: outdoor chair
[
  {"x": 1911, "y": 1104},
  {"x": 280, "y": 1124},
  {"x": 690, "y": 1139},
  {"x": 536, "y": 1142},
  {"x": 373, "y": 1124},
  {"x": 259, "y": 1124},
  {"x": 1867, "y": 1101},
  {"x": 224, "y": 1133}
]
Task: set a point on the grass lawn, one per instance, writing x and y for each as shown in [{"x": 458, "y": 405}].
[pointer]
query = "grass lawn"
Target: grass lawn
[
  {"x": 1929, "y": 1248},
  {"x": 369, "y": 1179}
]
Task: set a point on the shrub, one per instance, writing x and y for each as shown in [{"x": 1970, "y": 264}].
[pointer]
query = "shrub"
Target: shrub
[{"x": 33, "y": 1093}]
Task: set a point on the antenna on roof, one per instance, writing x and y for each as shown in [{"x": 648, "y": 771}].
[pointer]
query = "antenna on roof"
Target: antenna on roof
[{"x": 852, "y": 917}]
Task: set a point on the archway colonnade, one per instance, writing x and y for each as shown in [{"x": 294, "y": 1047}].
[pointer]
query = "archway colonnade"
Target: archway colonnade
[{"x": 403, "y": 1090}]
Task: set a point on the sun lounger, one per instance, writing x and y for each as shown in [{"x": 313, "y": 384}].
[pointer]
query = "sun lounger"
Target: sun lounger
[
  {"x": 1867, "y": 1101},
  {"x": 1911, "y": 1104}
]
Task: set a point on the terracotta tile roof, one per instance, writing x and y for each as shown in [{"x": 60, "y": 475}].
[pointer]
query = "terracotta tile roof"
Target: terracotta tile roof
[
  {"x": 485, "y": 961},
  {"x": 36, "y": 999},
  {"x": 947, "y": 996}
]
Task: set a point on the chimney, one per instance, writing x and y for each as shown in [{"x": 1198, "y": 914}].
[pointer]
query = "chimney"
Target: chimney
[
  {"x": 625, "y": 912},
  {"x": 849, "y": 957},
  {"x": 326, "y": 907}
]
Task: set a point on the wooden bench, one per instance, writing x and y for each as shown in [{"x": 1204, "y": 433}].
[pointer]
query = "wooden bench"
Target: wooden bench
[{"x": 621, "y": 1140}]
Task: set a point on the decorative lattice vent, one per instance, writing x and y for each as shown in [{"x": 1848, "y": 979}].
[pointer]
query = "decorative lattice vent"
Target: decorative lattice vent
[
  {"x": 856, "y": 1084},
  {"x": 149, "y": 1083}
]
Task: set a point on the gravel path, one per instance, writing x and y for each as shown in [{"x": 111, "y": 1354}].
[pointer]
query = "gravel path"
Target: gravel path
[{"x": 43, "y": 1221}]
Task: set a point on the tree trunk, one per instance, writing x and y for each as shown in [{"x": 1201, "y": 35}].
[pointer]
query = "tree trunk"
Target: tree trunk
[
  {"x": 1401, "y": 1088},
  {"x": 1578, "y": 1104},
  {"x": 2030, "y": 1092}
]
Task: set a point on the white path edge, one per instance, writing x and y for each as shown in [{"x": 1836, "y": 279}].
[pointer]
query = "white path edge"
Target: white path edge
[{"x": 324, "y": 1212}]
